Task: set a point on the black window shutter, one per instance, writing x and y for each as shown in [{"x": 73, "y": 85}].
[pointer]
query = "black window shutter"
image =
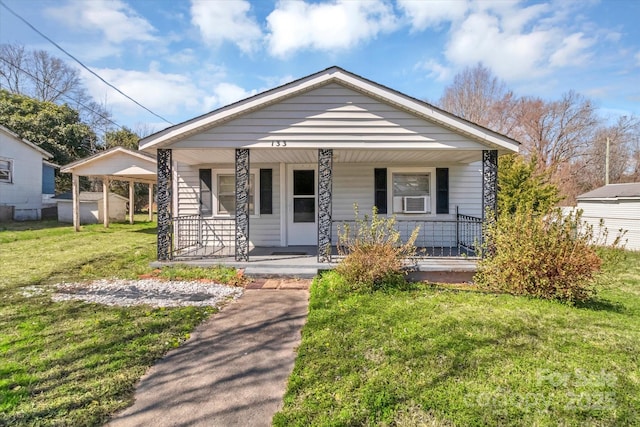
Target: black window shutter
[
  {"x": 205, "y": 192},
  {"x": 442, "y": 190},
  {"x": 266, "y": 191},
  {"x": 380, "y": 188}
]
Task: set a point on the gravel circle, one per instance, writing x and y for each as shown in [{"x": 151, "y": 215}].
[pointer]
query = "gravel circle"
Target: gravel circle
[{"x": 156, "y": 293}]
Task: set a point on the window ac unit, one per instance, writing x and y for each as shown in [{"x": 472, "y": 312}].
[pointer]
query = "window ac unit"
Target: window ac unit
[{"x": 416, "y": 204}]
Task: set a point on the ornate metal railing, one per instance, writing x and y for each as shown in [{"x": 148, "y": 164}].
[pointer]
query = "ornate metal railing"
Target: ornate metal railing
[
  {"x": 197, "y": 237},
  {"x": 469, "y": 233},
  {"x": 459, "y": 237}
]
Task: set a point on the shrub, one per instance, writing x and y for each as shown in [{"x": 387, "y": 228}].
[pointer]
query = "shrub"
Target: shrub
[
  {"x": 521, "y": 186},
  {"x": 374, "y": 255},
  {"x": 546, "y": 256}
]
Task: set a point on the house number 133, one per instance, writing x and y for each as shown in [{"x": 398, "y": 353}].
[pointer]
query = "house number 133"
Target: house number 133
[{"x": 278, "y": 143}]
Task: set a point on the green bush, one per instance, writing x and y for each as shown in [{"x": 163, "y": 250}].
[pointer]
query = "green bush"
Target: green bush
[
  {"x": 521, "y": 186},
  {"x": 374, "y": 255},
  {"x": 546, "y": 256}
]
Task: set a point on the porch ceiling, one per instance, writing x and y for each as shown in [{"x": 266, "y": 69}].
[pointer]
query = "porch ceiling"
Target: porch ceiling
[{"x": 277, "y": 155}]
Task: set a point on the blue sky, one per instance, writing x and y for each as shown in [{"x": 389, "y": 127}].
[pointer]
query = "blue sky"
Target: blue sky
[{"x": 185, "y": 58}]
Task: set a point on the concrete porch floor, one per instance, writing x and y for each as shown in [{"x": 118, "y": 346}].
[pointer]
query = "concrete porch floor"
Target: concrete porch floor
[{"x": 302, "y": 262}]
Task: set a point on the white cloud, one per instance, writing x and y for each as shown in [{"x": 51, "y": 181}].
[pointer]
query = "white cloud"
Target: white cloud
[
  {"x": 340, "y": 24},
  {"x": 637, "y": 57},
  {"x": 511, "y": 55},
  {"x": 225, "y": 94},
  {"x": 183, "y": 57},
  {"x": 572, "y": 51},
  {"x": 613, "y": 36},
  {"x": 165, "y": 94},
  {"x": 516, "y": 42},
  {"x": 114, "y": 19},
  {"x": 226, "y": 21},
  {"x": 425, "y": 14},
  {"x": 435, "y": 70}
]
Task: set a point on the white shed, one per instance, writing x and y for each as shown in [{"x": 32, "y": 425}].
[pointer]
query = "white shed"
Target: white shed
[
  {"x": 619, "y": 206},
  {"x": 91, "y": 207},
  {"x": 20, "y": 177}
]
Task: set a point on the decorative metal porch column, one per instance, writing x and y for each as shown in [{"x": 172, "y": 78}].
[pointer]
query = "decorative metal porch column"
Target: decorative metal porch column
[
  {"x": 164, "y": 204},
  {"x": 325, "y": 178},
  {"x": 242, "y": 204},
  {"x": 489, "y": 192},
  {"x": 489, "y": 184}
]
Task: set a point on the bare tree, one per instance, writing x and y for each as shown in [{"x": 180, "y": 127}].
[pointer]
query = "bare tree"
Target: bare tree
[
  {"x": 44, "y": 77},
  {"x": 623, "y": 137},
  {"x": 53, "y": 78},
  {"x": 37, "y": 74},
  {"x": 12, "y": 57},
  {"x": 478, "y": 96},
  {"x": 556, "y": 132}
]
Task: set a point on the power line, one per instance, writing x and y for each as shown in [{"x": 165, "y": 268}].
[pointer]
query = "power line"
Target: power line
[
  {"x": 61, "y": 93},
  {"x": 80, "y": 63}
]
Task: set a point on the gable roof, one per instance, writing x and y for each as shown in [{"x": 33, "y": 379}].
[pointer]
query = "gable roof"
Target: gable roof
[
  {"x": 43, "y": 153},
  {"x": 138, "y": 165},
  {"x": 613, "y": 191},
  {"x": 107, "y": 153},
  {"x": 330, "y": 75}
]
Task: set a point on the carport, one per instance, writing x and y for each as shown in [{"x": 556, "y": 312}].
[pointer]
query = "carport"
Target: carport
[{"x": 115, "y": 164}]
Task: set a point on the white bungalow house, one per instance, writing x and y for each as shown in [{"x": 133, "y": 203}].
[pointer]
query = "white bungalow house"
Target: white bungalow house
[
  {"x": 283, "y": 168},
  {"x": 21, "y": 177}
]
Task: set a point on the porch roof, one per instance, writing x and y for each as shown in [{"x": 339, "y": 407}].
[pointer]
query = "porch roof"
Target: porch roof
[
  {"x": 118, "y": 163},
  {"x": 203, "y": 156},
  {"x": 347, "y": 135}
]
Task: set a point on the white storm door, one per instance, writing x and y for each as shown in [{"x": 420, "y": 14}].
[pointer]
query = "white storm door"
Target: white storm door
[{"x": 302, "y": 206}]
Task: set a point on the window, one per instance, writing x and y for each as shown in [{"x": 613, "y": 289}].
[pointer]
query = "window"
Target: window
[
  {"x": 206, "y": 204},
  {"x": 226, "y": 194},
  {"x": 6, "y": 170},
  {"x": 380, "y": 189},
  {"x": 411, "y": 192}
]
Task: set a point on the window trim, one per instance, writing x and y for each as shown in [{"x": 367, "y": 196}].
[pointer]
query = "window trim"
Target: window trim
[
  {"x": 256, "y": 192},
  {"x": 11, "y": 172},
  {"x": 411, "y": 170}
]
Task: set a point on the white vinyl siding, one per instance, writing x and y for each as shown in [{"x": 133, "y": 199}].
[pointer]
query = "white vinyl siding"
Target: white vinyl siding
[
  {"x": 354, "y": 184},
  {"x": 20, "y": 177},
  {"x": 263, "y": 230},
  {"x": 329, "y": 115},
  {"x": 465, "y": 189},
  {"x": 617, "y": 214}
]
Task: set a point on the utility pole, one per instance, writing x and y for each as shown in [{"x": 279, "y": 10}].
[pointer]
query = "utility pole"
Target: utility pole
[{"x": 606, "y": 165}]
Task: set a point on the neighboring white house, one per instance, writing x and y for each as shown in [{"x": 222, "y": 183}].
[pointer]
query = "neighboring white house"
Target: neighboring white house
[
  {"x": 619, "y": 206},
  {"x": 91, "y": 207},
  {"x": 283, "y": 168},
  {"x": 20, "y": 177}
]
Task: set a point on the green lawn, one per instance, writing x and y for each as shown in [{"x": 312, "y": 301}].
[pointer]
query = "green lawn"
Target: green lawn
[
  {"x": 73, "y": 363},
  {"x": 440, "y": 356},
  {"x": 427, "y": 356}
]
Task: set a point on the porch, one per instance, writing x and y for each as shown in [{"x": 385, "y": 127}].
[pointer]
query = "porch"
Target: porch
[
  {"x": 302, "y": 262},
  {"x": 447, "y": 250},
  {"x": 197, "y": 237}
]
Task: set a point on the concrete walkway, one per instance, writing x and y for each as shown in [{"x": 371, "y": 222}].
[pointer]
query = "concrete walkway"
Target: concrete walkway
[{"x": 232, "y": 372}]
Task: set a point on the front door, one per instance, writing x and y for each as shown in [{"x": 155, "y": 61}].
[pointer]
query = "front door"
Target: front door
[{"x": 302, "y": 205}]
